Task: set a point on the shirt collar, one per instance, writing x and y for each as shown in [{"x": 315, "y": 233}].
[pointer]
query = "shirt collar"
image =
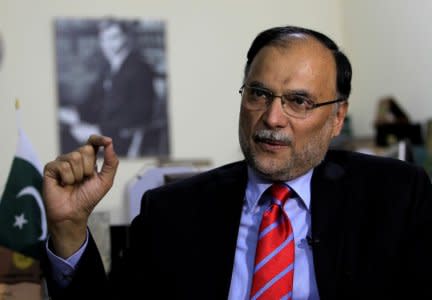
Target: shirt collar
[
  {"x": 256, "y": 186},
  {"x": 117, "y": 60}
]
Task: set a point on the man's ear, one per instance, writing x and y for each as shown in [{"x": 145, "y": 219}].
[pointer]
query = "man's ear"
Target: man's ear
[{"x": 340, "y": 118}]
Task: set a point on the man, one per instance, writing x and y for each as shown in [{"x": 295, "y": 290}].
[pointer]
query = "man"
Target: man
[
  {"x": 121, "y": 103},
  {"x": 353, "y": 226}
]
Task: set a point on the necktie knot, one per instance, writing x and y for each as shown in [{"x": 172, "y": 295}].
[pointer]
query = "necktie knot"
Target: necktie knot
[{"x": 279, "y": 193}]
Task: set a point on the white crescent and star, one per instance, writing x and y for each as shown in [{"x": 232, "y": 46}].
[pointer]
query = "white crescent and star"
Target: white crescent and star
[{"x": 20, "y": 220}]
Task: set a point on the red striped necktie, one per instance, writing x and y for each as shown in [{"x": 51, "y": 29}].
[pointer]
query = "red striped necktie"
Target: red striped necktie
[{"x": 274, "y": 259}]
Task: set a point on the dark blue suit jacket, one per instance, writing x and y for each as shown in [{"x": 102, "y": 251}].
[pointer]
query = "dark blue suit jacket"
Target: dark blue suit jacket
[{"x": 371, "y": 231}]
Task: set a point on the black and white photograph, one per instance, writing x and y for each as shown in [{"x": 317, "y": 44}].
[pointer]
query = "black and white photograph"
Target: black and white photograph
[{"x": 112, "y": 80}]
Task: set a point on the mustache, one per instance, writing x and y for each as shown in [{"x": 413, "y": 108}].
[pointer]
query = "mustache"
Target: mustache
[{"x": 266, "y": 135}]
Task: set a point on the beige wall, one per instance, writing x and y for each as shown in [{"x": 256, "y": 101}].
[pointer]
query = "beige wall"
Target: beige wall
[
  {"x": 390, "y": 46},
  {"x": 207, "y": 43}
]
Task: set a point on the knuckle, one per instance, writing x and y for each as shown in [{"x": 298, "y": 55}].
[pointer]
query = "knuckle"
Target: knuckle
[
  {"x": 87, "y": 150},
  {"x": 75, "y": 157},
  {"x": 64, "y": 166},
  {"x": 48, "y": 166}
]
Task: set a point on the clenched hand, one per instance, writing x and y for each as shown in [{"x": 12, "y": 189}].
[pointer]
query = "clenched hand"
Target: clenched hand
[{"x": 72, "y": 187}]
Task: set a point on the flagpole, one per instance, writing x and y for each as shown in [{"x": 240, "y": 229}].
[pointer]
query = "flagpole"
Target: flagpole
[{"x": 18, "y": 113}]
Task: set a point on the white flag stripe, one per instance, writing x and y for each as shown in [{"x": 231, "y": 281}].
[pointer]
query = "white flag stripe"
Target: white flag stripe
[{"x": 25, "y": 151}]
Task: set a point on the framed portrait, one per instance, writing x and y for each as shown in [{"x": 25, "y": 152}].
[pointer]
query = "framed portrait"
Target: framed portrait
[{"x": 112, "y": 80}]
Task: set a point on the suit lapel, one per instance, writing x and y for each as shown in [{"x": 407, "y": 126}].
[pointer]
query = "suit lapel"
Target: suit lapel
[
  {"x": 327, "y": 209},
  {"x": 220, "y": 228}
]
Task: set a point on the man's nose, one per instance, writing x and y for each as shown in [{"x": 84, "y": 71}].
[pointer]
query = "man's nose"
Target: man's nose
[{"x": 274, "y": 116}]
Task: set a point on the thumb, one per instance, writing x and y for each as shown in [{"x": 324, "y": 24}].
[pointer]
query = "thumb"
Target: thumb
[{"x": 110, "y": 163}]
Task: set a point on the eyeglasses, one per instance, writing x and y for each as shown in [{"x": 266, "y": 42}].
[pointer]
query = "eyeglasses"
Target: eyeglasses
[{"x": 295, "y": 105}]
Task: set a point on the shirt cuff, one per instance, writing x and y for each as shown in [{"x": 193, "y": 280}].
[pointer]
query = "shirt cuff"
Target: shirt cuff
[{"x": 64, "y": 269}]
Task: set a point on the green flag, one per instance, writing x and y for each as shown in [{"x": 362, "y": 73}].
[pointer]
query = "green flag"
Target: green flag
[{"x": 22, "y": 215}]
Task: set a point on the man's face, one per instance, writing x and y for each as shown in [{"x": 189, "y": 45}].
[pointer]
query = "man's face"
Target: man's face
[
  {"x": 112, "y": 40},
  {"x": 296, "y": 145}
]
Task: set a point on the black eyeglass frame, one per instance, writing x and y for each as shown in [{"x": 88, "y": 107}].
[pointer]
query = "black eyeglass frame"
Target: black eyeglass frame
[{"x": 273, "y": 96}]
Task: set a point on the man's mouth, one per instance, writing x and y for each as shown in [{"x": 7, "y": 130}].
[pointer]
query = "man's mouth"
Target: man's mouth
[{"x": 271, "y": 142}]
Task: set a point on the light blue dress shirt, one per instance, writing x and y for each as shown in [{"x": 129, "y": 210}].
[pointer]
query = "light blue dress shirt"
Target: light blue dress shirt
[
  {"x": 298, "y": 211},
  {"x": 63, "y": 269}
]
